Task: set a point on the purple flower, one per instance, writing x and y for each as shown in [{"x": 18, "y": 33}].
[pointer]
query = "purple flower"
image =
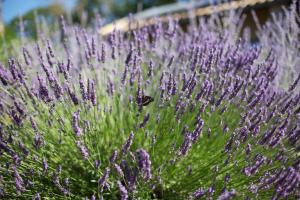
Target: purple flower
[
  {"x": 45, "y": 165},
  {"x": 72, "y": 95},
  {"x": 102, "y": 181},
  {"x": 123, "y": 191},
  {"x": 82, "y": 88},
  {"x": 36, "y": 197},
  {"x": 130, "y": 175},
  {"x": 38, "y": 141},
  {"x": 118, "y": 170},
  {"x": 23, "y": 148},
  {"x": 92, "y": 92},
  {"x": 43, "y": 91},
  {"x": 4, "y": 77},
  {"x": 27, "y": 57},
  {"x": 110, "y": 88},
  {"x": 197, "y": 131},
  {"x": 294, "y": 84},
  {"x": 75, "y": 124},
  {"x": 19, "y": 183},
  {"x": 144, "y": 164},
  {"x": 253, "y": 169},
  {"x": 97, "y": 164},
  {"x": 17, "y": 160},
  {"x": 146, "y": 118},
  {"x": 13, "y": 69},
  {"x": 186, "y": 145},
  {"x": 83, "y": 150},
  {"x": 103, "y": 53},
  {"x": 227, "y": 195},
  {"x": 199, "y": 193},
  {"x": 150, "y": 69},
  {"x": 128, "y": 143},
  {"x": 114, "y": 156}
]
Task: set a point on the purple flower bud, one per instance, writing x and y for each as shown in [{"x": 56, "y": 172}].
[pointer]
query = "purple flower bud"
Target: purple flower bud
[
  {"x": 197, "y": 131},
  {"x": 27, "y": 57},
  {"x": 186, "y": 145},
  {"x": 146, "y": 118},
  {"x": 144, "y": 164},
  {"x": 286, "y": 106},
  {"x": 17, "y": 160},
  {"x": 73, "y": 96},
  {"x": 82, "y": 88},
  {"x": 170, "y": 84},
  {"x": 150, "y": 69},
  {"x": 128, "y": 58},
  {"x": 110, "y": 88},
  {"x": 118, "y": 170},
  {"x": 93, "y": 46},
  {"x": 50, "y": 49},
  {"x": 248, "y": 149},
  {"x": 103, "y": 53},
  {"x": 38, "y": 141},
  {"x": 45, "y": 165},
  {"x": 92, "y": 92},
  {"x": 198, "y": 194},
  {"x": 62, "y": 26},
  {"x": 276, "y": 138},
  {"x": 19, "y": 183},
  {"x": 75, "y": 124},
  {"x": 4, "y": 77},
  {"x": 36, "y": 197},
  {"x": 128, "y": 143},
  {"x": 253, "y": 169},
  {"x": 114, "y": 156},
  {"x": 43, "y": 91},
  {"x": 17, "y": 119},
  {"x": 227, "y": 195},
  {"x": 222, "y": 97},
  {"x": 23, "y": 148},
  {"x": 102, "y": 181},
  {"x": 58, "y": 90},
  {"x": 123, "y": 191},
  {"x": 267, "y": 136},
  {"x": 123, "y": 78},
  {"x": 83, "y": 150},
  {"x": 294, "y": 84},
  {"x": 13, "y": 69},
  {"x": 97, "y": 164}
]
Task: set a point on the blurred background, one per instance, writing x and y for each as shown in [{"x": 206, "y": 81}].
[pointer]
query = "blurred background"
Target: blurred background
[{"x": 83, "y": 11}]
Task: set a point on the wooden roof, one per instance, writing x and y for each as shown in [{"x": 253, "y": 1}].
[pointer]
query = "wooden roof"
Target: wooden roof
[{"x": 180, "y": 10}]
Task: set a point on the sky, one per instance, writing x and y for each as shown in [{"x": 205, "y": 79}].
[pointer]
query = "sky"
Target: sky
[{"x": 13, "y": 8}]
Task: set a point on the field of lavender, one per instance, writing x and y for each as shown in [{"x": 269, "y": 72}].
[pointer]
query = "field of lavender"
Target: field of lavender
[{"x": 154, "y": 113}]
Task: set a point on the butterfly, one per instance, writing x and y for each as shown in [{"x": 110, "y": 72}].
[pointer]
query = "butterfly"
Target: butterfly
[{"x": 146, "y": 100}]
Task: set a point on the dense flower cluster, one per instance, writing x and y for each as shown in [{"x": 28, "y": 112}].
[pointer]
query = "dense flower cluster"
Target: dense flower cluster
[{"x": 154, "y": 113}]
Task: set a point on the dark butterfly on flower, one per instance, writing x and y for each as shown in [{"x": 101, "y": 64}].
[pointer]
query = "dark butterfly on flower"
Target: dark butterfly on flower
[{"x": 146, "y": 100}]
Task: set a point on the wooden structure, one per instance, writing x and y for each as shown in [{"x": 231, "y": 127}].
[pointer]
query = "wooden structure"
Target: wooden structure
[{"x": 184, "y": 10}]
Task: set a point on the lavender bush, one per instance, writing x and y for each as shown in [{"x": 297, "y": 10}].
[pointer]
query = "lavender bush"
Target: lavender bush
[{"x": 74, "y": 123}]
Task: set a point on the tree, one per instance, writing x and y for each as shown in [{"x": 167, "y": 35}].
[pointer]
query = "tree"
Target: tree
[{"x": 112, "y": 9}]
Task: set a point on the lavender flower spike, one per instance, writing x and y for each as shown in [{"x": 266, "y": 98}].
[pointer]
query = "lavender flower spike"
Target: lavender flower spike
[
  {"x": 103, "y": 179},
  {"x": 227, "y": 195},
  {"x": 75, "y": 124},
  {"x": 144, "y": 163},
  {"x": 123, "y": 191},
  {"x": 128, "y": 143}
]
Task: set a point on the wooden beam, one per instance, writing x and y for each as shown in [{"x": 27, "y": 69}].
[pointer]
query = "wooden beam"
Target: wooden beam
[{"x": 177, "y": 11}]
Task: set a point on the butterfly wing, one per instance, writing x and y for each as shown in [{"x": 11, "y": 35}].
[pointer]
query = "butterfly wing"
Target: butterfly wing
[{"x": 146, "y": 100}]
